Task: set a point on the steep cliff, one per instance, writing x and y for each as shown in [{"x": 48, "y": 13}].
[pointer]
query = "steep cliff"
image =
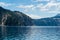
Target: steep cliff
[{"x": 14, "y": 18}]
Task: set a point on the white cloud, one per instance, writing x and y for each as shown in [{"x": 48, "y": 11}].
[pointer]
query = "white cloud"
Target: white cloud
[
  {"x": 29, "y": 8},
  {"x": 34, "y": 16},
  {"x": 26, "y": 7},
  {"x": 51, "y": 6},
  {"x": 40, "y": 0},
  {"x": 4, "y": 4}
]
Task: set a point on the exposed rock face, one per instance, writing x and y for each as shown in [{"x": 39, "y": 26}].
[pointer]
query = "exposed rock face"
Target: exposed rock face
[
  {"x": 14, "y": 18},
  {"x": 52, "y": 21}
]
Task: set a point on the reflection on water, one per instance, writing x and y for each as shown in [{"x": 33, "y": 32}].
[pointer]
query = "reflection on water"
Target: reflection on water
[{"x": 27, "y": 33}]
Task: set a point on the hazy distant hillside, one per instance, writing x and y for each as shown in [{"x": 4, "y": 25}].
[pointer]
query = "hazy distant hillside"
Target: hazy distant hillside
[
  {"x": 14, "y": 18},
  {"x": 52, "y": 21}
]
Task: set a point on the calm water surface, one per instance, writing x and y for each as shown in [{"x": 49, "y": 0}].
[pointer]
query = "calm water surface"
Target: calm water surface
[{"x": 29, "y": 33}]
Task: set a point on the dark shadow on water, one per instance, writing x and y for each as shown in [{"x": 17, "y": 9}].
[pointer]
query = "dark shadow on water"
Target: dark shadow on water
[{"x": 12, "y": 32}]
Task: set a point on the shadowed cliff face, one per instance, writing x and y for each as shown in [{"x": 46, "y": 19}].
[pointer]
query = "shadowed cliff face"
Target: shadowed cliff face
[
  {"x": 52, "y": 21},
  {"x": 14, "y": 18}
]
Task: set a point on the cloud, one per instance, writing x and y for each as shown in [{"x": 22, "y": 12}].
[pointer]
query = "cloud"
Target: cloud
[
  {"x": 51, "y": 7},
  {"x": 26, "y": 7},
  {"x": 4, "y": 4},
  {"x": 29, "y": 8},
  {"x": 40, "y": 0},
  {"x": 34, "y": 16}
]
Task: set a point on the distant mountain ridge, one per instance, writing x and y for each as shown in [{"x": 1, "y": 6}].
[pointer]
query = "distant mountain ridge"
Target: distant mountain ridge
[
  {"x": 57, "y": 16},
  {"x": 14, "y": 18},
  {"x": 51, "y": 21}
]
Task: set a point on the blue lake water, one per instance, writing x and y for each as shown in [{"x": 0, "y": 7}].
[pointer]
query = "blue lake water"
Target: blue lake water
[{"x": 30, "y": 33}]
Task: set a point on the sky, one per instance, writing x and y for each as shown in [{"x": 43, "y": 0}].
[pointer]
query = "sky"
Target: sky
[{"x": 36, "y": 9}]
